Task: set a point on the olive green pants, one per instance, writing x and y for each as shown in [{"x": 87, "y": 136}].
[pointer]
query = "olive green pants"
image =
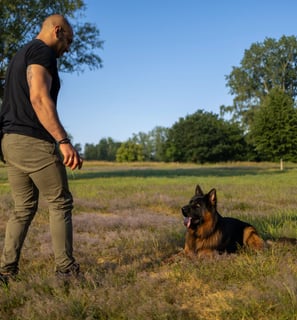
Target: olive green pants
[{"x": 34, "y": 166}]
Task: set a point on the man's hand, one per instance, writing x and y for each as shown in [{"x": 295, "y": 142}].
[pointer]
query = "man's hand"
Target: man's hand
[{"x": 70, "y": 156}]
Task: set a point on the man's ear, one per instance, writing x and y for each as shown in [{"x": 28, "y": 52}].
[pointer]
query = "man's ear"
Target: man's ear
[{"x": 59, "y": 32}]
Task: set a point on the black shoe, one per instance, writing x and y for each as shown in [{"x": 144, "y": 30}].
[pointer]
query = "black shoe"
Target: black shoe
[
  {"x": 4, "y": 279},
  {"x": 72, "y": 272}
]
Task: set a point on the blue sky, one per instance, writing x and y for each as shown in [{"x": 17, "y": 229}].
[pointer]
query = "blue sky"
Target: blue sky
[{"x": 164, "y": 59}]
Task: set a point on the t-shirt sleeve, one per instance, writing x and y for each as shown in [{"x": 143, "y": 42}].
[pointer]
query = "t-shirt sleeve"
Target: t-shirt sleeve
[{"x": 42, "y": 55}]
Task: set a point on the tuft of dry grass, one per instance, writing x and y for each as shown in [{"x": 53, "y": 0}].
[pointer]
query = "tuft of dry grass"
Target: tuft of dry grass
[{"x": 129, "y": 236}]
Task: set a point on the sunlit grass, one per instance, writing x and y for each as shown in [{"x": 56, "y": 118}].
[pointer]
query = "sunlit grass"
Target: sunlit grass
[{"x": 129, "y": 235}]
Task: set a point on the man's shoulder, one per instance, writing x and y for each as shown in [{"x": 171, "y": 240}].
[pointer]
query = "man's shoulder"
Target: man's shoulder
[
  {"x": 37, "y": 52},
  {"x": 36, "y": 45}
]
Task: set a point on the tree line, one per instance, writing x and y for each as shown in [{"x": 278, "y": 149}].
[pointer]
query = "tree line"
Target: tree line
[
  {"x": 263, "y": 115},
  {"x": 206, "y": 137},
  {"x": 200, "y": 137}
]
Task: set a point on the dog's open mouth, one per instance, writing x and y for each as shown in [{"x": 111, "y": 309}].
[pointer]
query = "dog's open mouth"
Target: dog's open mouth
[{"x": 187, "y": 221}]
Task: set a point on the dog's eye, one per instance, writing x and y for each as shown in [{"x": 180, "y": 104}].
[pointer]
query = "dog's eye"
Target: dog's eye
[{"x": 196, "y": 204}]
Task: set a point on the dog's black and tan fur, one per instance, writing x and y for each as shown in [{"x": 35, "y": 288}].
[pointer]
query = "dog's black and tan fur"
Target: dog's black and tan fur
[{"x": 208, "y": 232}]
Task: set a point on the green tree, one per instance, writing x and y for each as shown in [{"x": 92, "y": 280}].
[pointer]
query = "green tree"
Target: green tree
[
  {"x": 267, "y": 65},
  {"x": 159, "y": 137},
  {"x": 20, "y": 22},
  {"x": 203, "y": 137},
  {"x": 107, "y": 149},
  {"x": 152, "y": 143},
  {"x": 129, "y": 152},
  {"x": 144, "y": 140},
  {"x": 90, "y": 152},
  {"x": 274, "y": 130}
]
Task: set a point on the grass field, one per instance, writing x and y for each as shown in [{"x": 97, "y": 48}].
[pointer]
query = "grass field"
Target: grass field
[{"x": 129, "y": 235}]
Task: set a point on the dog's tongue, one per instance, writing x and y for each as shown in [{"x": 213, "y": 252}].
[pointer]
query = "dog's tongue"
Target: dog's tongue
[{"x": 187, "y": 222}]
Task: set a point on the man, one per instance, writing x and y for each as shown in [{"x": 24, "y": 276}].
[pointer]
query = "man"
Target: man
[{"x": 32, "y": 144}]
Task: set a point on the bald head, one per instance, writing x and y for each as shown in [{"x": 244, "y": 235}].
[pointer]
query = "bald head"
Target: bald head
[
  {"x": 55, "y": 20},
  {"x": 57, "y": 33}
]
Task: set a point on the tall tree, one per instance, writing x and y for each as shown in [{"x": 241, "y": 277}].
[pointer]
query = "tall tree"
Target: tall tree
[
  {"x": 274, "y": 130},
  {"x": 203, "y": 137},
  {"x": 143, "y": 139},
  {"x": 20, "y": 21},
  {"x": 107, "y": 149},
  {"x": 267, "y": 65},
  {"x": 91, "y": 152},
  {"x": 159, "y": 137},
  {"x": 152, "y": 143}
]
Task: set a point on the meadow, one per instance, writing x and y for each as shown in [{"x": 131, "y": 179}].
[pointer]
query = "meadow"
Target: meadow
[{"x": 129, "y": 236}]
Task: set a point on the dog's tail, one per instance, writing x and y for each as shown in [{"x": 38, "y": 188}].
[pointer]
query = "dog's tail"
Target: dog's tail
[{"x": 284, "y": 240}]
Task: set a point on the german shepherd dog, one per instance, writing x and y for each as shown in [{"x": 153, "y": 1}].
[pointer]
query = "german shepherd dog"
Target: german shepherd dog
[{"x": 209, "y": 233}]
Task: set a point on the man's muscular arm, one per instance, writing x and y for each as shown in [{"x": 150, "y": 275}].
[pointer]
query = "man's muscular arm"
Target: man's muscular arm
[{"x": 40, "y": 81}]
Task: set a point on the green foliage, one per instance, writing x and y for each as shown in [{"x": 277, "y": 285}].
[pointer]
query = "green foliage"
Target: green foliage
[
  {"x": 141, "y": 147},
  {"x": 159, "y": 136},
  {"x": 105, "y": 150},
  {"x": 264, "y": 66},
  {"x": 203, "y": 137},
  {"x": 20, "y": 21},
  {"x": 129, "y": 152},
  {"x": 274, "y": 130},
  {"x": 144, "y": 140},
  {"x": 90, "y": 152},
  {"x": 153, "y": 143}
]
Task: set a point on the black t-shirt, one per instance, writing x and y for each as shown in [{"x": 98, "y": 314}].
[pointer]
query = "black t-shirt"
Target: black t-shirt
[{"x": 17, "y": 114}]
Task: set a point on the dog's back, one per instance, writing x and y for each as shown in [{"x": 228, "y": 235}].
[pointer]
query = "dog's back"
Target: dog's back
[{"x": 236, "y": 233}]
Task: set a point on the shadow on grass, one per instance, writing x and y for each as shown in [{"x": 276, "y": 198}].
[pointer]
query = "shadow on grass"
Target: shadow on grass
[{"x": 202, "y": 172}]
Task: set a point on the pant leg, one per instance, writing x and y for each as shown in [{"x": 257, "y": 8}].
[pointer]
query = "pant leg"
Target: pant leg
[
  {"x": 53, "y": 185},
  {"x": 25, "y": 196},
  {"x": 40, "y": 160}
]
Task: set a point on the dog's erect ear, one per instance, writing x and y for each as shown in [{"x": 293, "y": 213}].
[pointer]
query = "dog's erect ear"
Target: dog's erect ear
[
  {"x": 212, "y": 195},
  {"x": 198, "y": 191}
]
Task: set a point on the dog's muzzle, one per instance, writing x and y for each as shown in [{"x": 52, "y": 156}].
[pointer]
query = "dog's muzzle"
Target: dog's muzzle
[
  {"x": 185, "y": 210},
  {"x": 187, "y": 220}
]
